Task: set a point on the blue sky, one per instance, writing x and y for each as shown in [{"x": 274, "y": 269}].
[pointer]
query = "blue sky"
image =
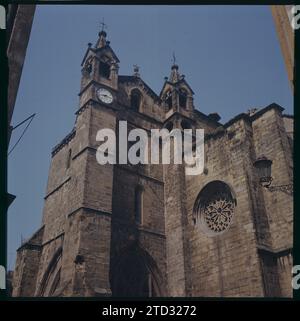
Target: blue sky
[{"x": 230, "y": 56}]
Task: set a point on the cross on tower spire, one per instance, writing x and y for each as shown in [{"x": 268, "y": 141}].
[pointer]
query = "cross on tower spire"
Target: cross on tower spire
[
  {"x": 136, "y": 70},
  {"x": 174, "y": 58},
  {"x": 102, "y": 35},
  {"x": 103, "y": 25},
  {"x": 175, "y": 76}
]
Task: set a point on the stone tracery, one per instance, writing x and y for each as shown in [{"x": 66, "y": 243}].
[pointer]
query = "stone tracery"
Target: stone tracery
[{"x": 214, "y": 208}]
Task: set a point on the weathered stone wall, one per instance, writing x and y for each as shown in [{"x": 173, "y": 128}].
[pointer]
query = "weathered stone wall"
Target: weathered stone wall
[
  {"x": 73, "y": 191},
  {"x": 50, "y": 248},
  {"x": 148, "y": 105},
  {"x": 91, "y": 262},
  {"x": 150, "y": 234},
  {"x": 89, "y": 212},
  {"x": 27, "y": 265},
  {"x": 271, "y": 139},
  {"x": 288, "y": 122},
  {"x": 175, "y": 220},
  {"x": 91, "y": 271},
  {"x": 226, "y": 264},
  {"x": 229, "y": 264}
]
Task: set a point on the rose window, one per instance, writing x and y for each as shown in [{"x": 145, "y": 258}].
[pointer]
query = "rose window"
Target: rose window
[
  {"x": 214, "y": 208},
  {"x": 218, "y": 215}
]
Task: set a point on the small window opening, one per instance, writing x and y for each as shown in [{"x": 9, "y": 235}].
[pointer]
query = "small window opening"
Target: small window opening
[
  {"x": 136, "y": 98},
  {"x": 104, "y": 69},
  {"x": 169, "y": 100},
  {"x": 69, "y": 158},
  {"x": 89, "y": 68},
  {"x": 138, "y": 204},
  {"x": 182, "y": 98}
]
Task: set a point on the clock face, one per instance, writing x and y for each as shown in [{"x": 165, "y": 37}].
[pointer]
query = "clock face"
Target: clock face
[{"x": 104, "y": 95}]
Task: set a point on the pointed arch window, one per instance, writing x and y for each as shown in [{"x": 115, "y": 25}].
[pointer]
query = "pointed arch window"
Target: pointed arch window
[
  {"x": 104, "y": 69},
  {"x": 135, "y": 274},
  {"x": 56, "y": 283},
  {"x": 51, "y": 279},
  {"x": 89, "y": 68},
  {"x": 135, "y": 99},
  {"x": 169, "y": 100},
  {"x": 182, "y": 98},
  {"x": 88, "y": 65}
]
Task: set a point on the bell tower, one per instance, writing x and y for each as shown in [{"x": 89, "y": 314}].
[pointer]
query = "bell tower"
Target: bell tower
[
  {"x": 78, "y": 206},
  {"x": 99, "y": 70},
  {"x": 176, "y": 94},
  {"x": 177, "y": 100}
]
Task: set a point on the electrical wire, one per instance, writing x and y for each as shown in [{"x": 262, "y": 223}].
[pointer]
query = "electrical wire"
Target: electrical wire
[{"x": 15, "y": 145}]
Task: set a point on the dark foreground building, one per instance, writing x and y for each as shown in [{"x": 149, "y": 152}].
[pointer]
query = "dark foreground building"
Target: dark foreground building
[{"x": 152, "y": 230}]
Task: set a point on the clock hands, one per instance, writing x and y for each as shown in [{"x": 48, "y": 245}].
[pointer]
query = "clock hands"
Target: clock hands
[{"x": 104, "y": 95}]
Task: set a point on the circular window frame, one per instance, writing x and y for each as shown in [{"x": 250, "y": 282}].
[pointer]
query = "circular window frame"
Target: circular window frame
[{"x": 208, "y": 198}]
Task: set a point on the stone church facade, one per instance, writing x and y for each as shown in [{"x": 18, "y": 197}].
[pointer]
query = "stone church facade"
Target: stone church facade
[{"x": 147, "y": 230}]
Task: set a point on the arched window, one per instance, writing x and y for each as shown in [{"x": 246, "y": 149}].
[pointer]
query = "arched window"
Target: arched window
[
  {"x": 104, "y": 69},
  {"x": 168, "y": 100},
  {"x": 55, "y": 283},
  {"x": 69, "y": 158},
  {"x": 182, "y": 98},
  {"x": 138, "y": 204},
  {"x": 214, "y": 208},
  {"x": 135, "y": 99},
  {"x": 88, "y": 66},
  {"x": 135, "y": 274},
  {"x": 51, "y": 278}
]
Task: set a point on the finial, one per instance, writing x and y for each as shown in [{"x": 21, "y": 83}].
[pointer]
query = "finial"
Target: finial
[
  {"x": 252, "y": 111},
  {"x": 136, "y": 70},
  {"x": 174, "y": 64},
  {"x": 103, "y": 25},
  {"x": 89, "y": 45},
  {"x": 175, "y": 76},
  {"x": 174, "y": 58},
  {"x": 102, "y": 35}
]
